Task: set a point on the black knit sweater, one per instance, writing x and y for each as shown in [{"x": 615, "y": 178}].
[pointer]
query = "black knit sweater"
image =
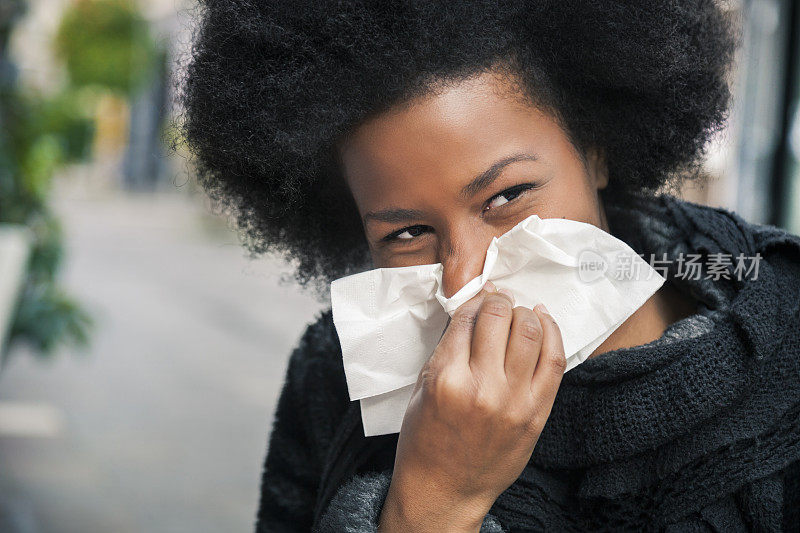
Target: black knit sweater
[{"x": 698, "y": 430}]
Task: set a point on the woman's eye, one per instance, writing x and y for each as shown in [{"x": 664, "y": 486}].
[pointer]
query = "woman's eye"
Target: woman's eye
[
  {"x": 406, "y": 233},
  {"x": 499, "y": 200},
  {"x": 507, "y": 195}
]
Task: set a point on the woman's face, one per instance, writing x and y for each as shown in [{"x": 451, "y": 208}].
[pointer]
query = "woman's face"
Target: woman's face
[{"x": 436, "y": 179}]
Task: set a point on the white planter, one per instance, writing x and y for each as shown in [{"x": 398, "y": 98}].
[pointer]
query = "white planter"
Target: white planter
[{"x": 15, "y": 246}]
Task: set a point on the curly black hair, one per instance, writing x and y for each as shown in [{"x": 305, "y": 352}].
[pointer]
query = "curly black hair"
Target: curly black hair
[{"x": 271, "y": 86}]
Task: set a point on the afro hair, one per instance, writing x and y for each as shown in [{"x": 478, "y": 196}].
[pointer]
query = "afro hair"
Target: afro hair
[{"x": 269, "y": 87}]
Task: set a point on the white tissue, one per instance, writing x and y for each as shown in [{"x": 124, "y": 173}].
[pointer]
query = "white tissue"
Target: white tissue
[{"x": 389, "y": 320}]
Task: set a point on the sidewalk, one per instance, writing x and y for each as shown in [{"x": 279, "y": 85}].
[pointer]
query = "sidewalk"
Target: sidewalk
[{"x": 162, "y": 426}]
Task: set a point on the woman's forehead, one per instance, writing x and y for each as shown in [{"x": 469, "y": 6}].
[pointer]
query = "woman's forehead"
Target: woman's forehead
[{"x": 464, "y": 127}]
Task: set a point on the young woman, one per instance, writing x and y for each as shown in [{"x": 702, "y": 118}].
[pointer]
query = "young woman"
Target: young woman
[{"x": 361, "y": 134}]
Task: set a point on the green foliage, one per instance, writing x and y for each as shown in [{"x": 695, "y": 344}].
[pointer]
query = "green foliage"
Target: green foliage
[
  {"x": 37, "y": 136},
  {"x": 41, "y": 134},
  {"x": 106, "y": 43},
  {"x": 46, "y": 317},
  {"x": 67, "y": 116}
]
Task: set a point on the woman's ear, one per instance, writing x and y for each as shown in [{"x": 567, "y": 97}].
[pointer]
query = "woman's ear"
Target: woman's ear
[{"x": 597, "y": 166}]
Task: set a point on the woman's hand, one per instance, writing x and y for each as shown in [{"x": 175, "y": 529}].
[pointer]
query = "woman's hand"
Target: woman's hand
[{"x": 478, "y": 408}]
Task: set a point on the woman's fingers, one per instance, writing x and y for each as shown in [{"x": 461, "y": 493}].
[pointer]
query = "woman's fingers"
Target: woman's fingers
[
  {"x": 524, "y": 344},
  {"x": 456, "y": 341},
  {"x": 490, "y": 338},
  {"x": 550, "y": 367}
]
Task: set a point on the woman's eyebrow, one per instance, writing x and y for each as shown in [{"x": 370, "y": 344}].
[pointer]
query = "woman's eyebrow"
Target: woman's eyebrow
[
  {"x": 483, "y": 180},
  {"x": 394, "y": 215},
  {"x": 486, "y": 178}
]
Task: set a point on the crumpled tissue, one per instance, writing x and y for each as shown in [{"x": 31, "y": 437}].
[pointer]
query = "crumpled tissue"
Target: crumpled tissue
[{"x": 389, "y": 320}]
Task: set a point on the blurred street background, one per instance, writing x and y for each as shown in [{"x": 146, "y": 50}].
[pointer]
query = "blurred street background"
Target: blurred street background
[
  {"x": 141, "y": 350},
  {"x": 162, "y": 424}
]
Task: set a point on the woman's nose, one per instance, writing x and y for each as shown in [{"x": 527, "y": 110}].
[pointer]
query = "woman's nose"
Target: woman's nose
[{"x": 462, "y": 262}]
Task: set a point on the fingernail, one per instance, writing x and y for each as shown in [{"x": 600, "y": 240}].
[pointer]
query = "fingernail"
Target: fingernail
[
  {"x": 507, "y": 293},
  {"x": 541, "y": 307},
  {"x": 489, "y": 286}
]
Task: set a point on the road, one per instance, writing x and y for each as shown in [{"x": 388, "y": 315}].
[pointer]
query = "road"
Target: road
[{"x": 161, "y": 425}]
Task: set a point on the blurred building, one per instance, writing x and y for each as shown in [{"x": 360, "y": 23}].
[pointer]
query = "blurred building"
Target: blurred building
[{"x": 753, "y": 164}]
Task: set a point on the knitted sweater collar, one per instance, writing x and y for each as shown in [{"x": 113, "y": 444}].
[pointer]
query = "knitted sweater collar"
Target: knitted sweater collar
[{"x": 632, "y": 400}]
